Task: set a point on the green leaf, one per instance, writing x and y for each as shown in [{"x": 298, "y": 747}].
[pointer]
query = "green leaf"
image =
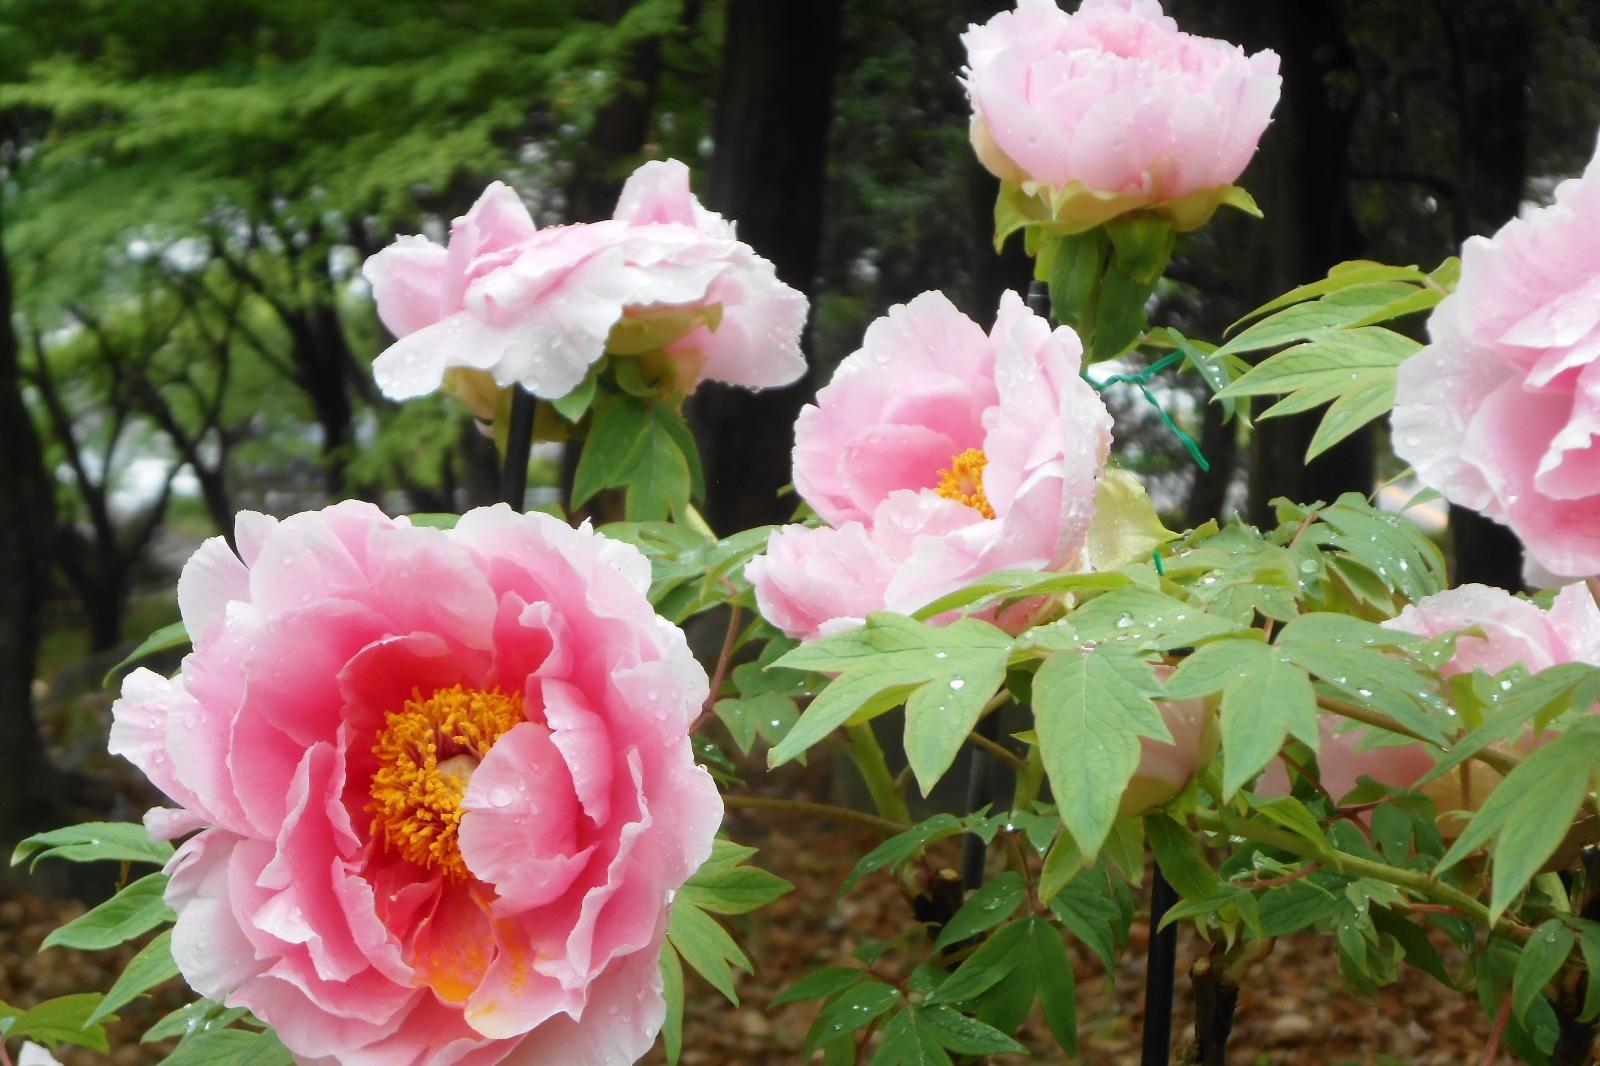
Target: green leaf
[
  {"x": 1090, "y": 709},
  {"x": 672, "y": 993},
  {"x": 1211, "y": 668},
  {"x": 152, "y": 966},
  {"x": 70, "y": 1019},
  {"x": 1052, "y": 967},
  {"x": 1142, "y": 245},
  {"x": 1075, "y": 276},
  {"x": 941, "y": 713},
  {"x": 768, "y": 715},
  {"x": 230, "y": 1047},
  {"x": 1372, "y": 398},
  {"x": 191, "y": 1018},
  {"x": 707, "y": 947},
  {"x": 1000, "y": 585},
  {"x": 1180, "y": 858},
  {"x": 980, "y": 971},
  {"x": 901, "y": 847},
  {"x": 1292, "y": 907},
  {"x": 733, "y": 889},
  {"x": 1088, "y": 906},
  {"x": 1340, "y": 277},
  {"x": 575, "y": 404},
  {"x": 1590, "y": 945},
  {"x": 1145, "y": 618},
  {"x": 1541, "y": 959},
  {"x": 1292, "y": 815},
  {"x": 994, "y": 902},
  {"x": 135, "y": 910},
  {"x": 892, "y": 639},
  {"x": 434, "y": 519},
  {"x": 819, "y": 984},
  {"x": 93, "y": 841},
  {"x": 620, "y": 423},
  {"x": 964, "y": 1035},
  {"x": 850, "y": 1011},
  {"x": 859, "y": 695},
  {"x": 1270, "y": 699},
  {"x": 168, "y": 637},
  {"x": 1528, "y": 815},
  {"x": 908, "y": 1040},
  {"x": 1119, "y": 315}
]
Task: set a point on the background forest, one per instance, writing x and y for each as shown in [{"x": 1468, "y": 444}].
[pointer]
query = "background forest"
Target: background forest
[{"x": 189, "y": 187}]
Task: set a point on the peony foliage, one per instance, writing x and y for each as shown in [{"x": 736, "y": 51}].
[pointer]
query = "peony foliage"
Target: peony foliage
[{"x": 449, "y": 789}]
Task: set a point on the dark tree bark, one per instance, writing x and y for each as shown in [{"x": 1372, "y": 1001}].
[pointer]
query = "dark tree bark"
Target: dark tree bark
[
  {"x": 1302, "y": 181},
  {"x": 774, "y": 107},
  {"x": 1490, "y": 52},
  {"x": 27, "y": 520},
  {"x": 619, "y": 132}
]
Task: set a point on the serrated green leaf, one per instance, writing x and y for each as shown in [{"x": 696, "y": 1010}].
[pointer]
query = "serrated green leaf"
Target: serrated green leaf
[
  {"x": 135, "y": 910},
  {"x": 1090, "y": 709}
]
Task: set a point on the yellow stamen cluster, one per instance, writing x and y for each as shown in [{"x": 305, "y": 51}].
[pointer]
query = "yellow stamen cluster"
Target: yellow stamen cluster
[
  {"x": 963, "y": 481},
  {"x": 426, "y": 753}
]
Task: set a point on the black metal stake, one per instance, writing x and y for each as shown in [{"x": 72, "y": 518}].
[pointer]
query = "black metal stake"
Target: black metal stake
[
  {"x": 1161, "y": 965},
  {"x": 519, "y": 444},
  {"x": 980, "y": 784}
]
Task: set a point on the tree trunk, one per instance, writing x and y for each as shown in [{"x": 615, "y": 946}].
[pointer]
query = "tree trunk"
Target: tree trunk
[
  {"x": 1491, "y": 51},
  {"x": 767, "y": 174},
  {"x": 27, "y": 509},
  {"x": 1301, "y": 180},
  {"x": 619, "y": 131}
]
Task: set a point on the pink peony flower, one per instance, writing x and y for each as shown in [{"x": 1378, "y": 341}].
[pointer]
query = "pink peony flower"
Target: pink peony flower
[
  {"x": 1500, "y": 412},
  {"x": 938, "y": 454},
  {"x": 506, "y": 303},
  {"x": 1514, "y": 631},
  {"x": 1112, "y": 109},
  {"x": 1165, "y": 769},
  {"x": 32, "y": 1054},
  {"x": 443, "y": 785}
]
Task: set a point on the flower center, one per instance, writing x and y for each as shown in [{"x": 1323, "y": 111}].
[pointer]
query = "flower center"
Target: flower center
[
  {"x": 427, "y": 752},
  {"x": 963, "y": 481}
]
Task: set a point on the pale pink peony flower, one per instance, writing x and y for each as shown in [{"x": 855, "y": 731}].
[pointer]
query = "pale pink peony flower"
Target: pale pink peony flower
[
  {"x": 1514, "y": 631},
  {"x": 1112, "y": 108},
  {"x": 443, "y": 784},
  {"x": 506, "y": 303},
  {"x": 1500, "y": 412},
  {"x": 938, "y": 454},
  {"x": 1165, "y": 768}
]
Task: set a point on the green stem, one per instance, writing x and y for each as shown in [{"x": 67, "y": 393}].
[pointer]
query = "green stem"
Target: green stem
[
  {"x": 1355, "y": 865},
  {"x": 1029, "y": 780},
  {"x": 862, "y": 743},
  {"x": 816, "y": 810}
]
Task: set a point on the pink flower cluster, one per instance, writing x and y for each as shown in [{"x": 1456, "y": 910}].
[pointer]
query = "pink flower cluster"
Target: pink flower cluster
[
  {"x": 442, "y": 784},
  {"x": 1114, "y": 98},
  {"x": 937, "y": 454},
  {"x": 1501, "y": 411},
  {"x": 506, "y": 303}
]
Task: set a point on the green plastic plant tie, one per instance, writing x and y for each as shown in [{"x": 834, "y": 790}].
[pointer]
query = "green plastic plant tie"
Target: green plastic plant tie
[
  {"x": 1155, "y": 557},
  {"x": 1142, "y": 379}
]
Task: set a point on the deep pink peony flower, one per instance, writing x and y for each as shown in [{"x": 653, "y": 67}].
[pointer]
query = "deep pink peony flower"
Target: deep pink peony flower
[
  {"x": 443, "y": 782},
  {"x": 1112, "y": 108},
  {"x": 938, "y": 454},
  {"x": 1514, "y": 631},
  {"x": 1500, "y": 412},
  {"x": 507, "y": 303}
]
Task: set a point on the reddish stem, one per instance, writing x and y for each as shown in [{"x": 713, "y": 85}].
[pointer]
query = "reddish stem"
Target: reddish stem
[
  {"x": 1272, "y": 882},
  {"x": 1492, "y": 1048},
  {"x": 721, "y": 672}
]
